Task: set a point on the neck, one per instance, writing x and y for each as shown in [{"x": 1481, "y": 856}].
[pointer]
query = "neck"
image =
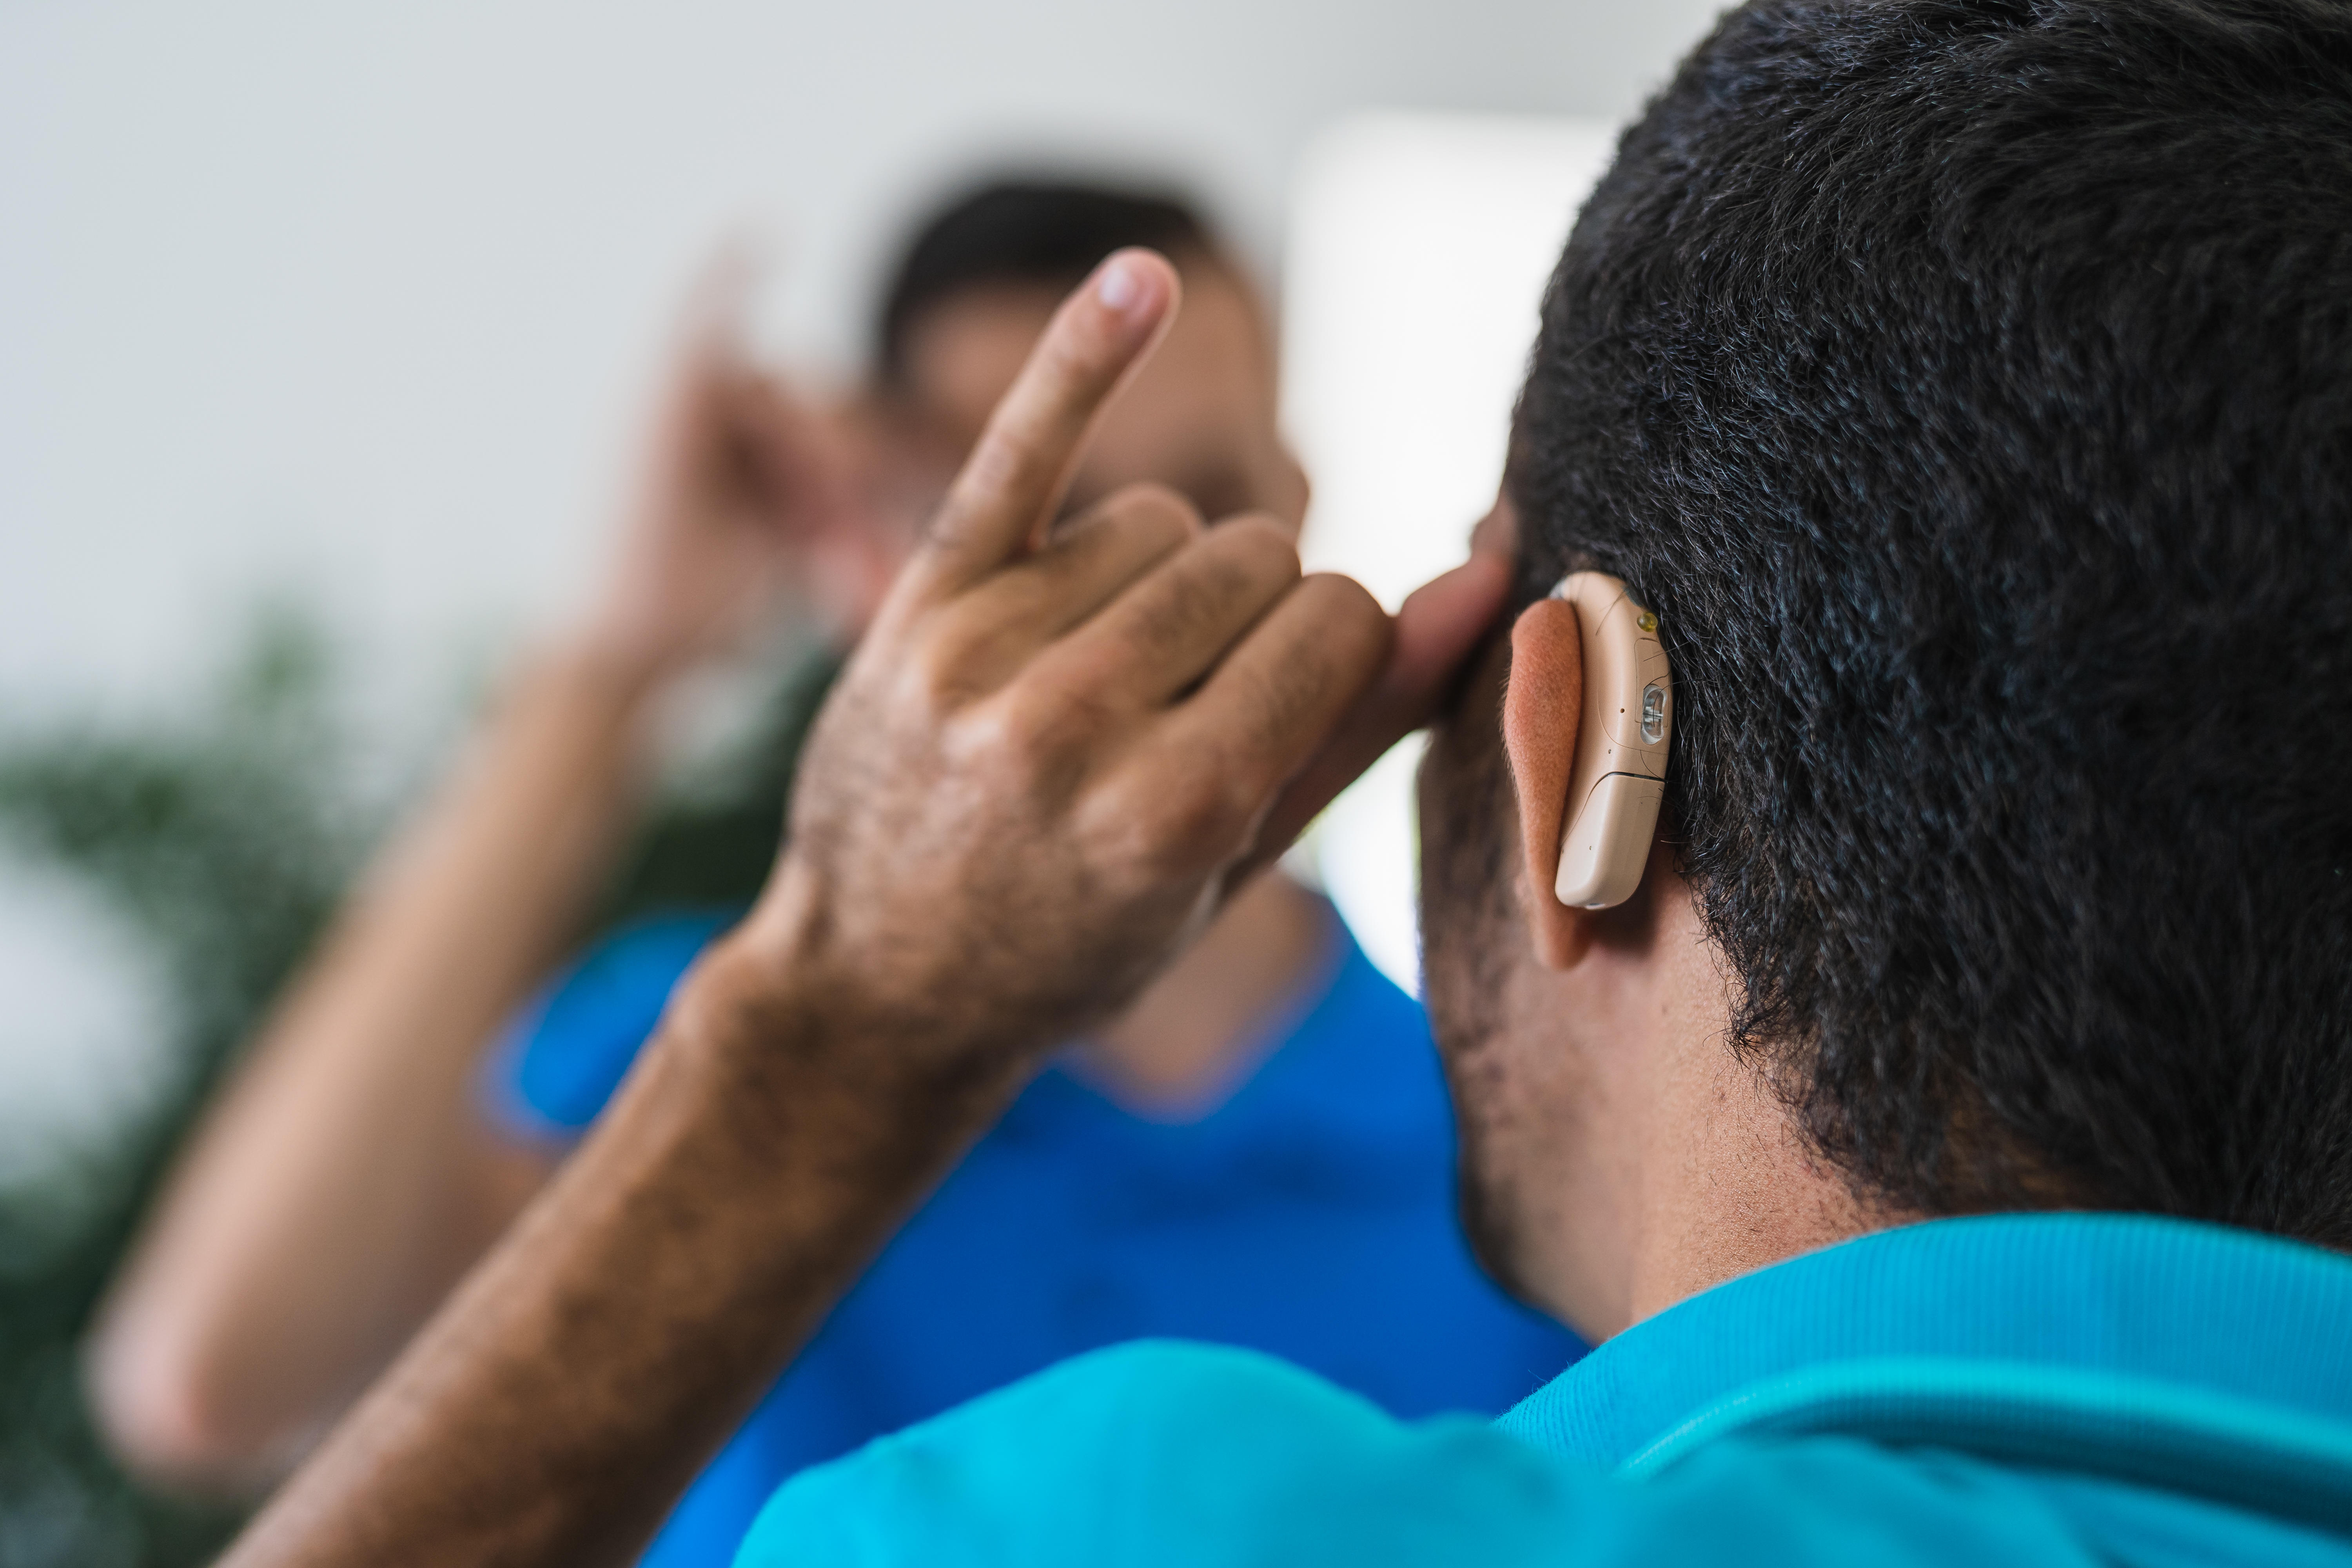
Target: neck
[
  {"x": 1184, "y": 1036},
  {"x": 1713, "y": 1178},
  {"x": 1730, "y": 1188}
]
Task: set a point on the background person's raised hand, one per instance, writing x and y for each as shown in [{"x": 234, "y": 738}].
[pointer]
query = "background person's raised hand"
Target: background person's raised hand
[{"x": 744, "y": 489}]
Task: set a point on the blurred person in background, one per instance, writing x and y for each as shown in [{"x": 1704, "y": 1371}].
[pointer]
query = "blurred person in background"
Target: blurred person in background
[{"x": 1258, "y": 1152}]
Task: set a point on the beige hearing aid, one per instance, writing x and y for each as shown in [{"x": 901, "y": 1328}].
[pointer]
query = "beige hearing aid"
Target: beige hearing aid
[{"x": 1619, "y": 776}]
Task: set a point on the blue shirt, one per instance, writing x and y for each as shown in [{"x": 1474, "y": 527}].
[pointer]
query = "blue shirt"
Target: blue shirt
[
  {"x": 1309, "y": 1214},
  {"x": 2018, "y": 1391}
]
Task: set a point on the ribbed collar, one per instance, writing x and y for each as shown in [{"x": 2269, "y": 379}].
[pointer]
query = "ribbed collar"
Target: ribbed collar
[{"x": 2221, "y": 1311}]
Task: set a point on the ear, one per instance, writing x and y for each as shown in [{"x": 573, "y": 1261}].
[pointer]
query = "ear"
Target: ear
[{"x": 1543, "y": 708}]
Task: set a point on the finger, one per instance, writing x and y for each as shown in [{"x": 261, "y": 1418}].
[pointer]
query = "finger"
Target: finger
[
  {"x": 1169, "y": 628},
  {"x": 1086, "y": 565},
  {"x": 798, "y": 455},
  {"x": 712, "y": 321},
  {"x": 1438, "y": 629},
  {"x": 1011, "y": 482},
  {"x": 1272, "y": 703},
  {"x": 1498, "y": 532}
]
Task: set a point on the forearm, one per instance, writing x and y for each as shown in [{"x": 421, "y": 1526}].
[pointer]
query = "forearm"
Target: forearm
[
  {"x": 750, "y": 1167},
  {"x": 321, "y": 1209}
]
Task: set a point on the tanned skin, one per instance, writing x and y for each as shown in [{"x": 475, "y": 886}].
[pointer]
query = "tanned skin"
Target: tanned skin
[
  {"x": 1617, "y": 1155},
  {"x": 1051, "y": 762},
  {"x": 1057, "y": 753},
  {"x": 345, "y": 1178}
]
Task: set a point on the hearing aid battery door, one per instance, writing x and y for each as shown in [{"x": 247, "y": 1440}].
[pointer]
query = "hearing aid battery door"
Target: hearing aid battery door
[{"x": 1608, "y": 842}]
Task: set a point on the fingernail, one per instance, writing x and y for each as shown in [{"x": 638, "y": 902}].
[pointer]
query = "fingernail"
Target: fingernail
[{"x": 1121, "y": 284}]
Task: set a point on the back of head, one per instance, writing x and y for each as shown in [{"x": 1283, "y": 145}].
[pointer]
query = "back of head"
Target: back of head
[
  {"x": 1045, "y": 234},
  {"x": 1969, "y": 388}
]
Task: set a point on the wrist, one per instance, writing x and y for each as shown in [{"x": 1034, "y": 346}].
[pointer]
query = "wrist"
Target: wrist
[
  {"x": 770, "y": 1013},
  {"x": 597, "y": 662},
  {"x": 624, "y": 655},
  {"x": 820, "y": 1128}
]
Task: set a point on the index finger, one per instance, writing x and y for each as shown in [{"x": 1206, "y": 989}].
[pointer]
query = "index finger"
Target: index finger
[{"x": 1009, "y": 485}]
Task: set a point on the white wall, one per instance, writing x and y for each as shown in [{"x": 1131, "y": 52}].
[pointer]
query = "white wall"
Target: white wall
[
  {"x": 357, "y": 302},
  {"x": 1419, "y": 248}
]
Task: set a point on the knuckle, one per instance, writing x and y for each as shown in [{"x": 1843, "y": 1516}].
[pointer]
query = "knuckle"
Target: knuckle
[
  {"x": 1037, "y": 734},
  {"x": 1228, "y": 561},
  {"x": 1169, "y": 822},
  {"x": 937, "y": 676},
  {"x": 958, "y": 661},
  {"x": 996, "y": 464},
  {"x": 1263, "y": 544},
  {"x": 1000, "y": 748},
  {"x": 1149, "y": 503},
  {"x": 1151, "y": 515},
  {"x": 1351, "y": 637},
  {"x": 1179, "y": 606},
  {"x": 1257, "y": 566},
  {"x": 1269, "y": 709},
  {"x": 1208, "y": 819},
  {"x": 1346, "y": 596}
]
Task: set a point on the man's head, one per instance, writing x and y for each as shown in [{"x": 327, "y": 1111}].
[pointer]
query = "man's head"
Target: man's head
[
  {"x": 978, "y": 283},
  {"x": 1969, "y": 388}
]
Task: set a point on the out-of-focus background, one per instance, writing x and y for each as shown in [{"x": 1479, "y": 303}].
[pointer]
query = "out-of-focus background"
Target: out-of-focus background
[{"x": 322, "y": 336}]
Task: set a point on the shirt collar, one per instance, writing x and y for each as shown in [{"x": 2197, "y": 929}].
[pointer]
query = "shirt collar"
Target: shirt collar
[{"x": 2221, "y": 1311}]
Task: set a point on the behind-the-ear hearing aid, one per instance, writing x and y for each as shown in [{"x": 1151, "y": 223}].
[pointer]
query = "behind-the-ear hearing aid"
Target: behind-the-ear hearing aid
[{"x": 1618, "y": 777}]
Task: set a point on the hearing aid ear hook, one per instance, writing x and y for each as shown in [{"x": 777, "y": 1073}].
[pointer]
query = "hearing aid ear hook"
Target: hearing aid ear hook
[{"x": 1618, "y": 777}]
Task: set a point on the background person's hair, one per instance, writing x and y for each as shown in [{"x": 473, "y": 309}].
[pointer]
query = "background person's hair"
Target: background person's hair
[
  {"x": 1969, "y": 388},
  {"x": 1042, "y": 232}
]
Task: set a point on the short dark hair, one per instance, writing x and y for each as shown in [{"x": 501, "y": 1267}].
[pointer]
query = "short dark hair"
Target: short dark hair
[
  {"x": 1049, "y": 233},
  {"x": 1969, "y": 386}
]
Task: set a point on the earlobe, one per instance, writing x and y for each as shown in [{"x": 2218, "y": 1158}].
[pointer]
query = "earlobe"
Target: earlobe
[{"x": 1543, "y": 708}]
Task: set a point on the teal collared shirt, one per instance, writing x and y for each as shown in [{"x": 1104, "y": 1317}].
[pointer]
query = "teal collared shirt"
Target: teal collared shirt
[{"x": 2020, "y": 1390}]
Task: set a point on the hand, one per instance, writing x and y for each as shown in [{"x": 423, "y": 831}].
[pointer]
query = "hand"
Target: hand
[
  {"x": 744, "y": 489},
  {"x": 1052, "y": 758},
  {"x": 1045, "y": 765}
]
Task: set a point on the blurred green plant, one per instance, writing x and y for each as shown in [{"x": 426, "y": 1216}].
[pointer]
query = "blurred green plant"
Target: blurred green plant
[
  {"x": 712, "y": 835},
  {"x": 223, "y": 837},
  {"x": 226, "y": 836}
]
